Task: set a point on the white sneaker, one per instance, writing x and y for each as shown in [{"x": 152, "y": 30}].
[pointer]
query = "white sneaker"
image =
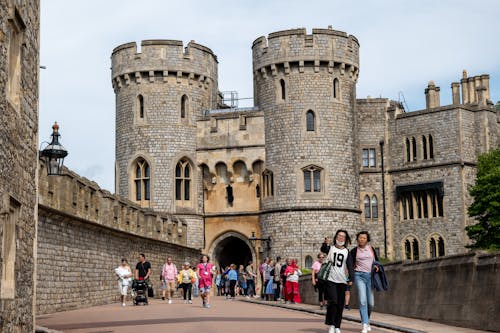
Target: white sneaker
[
  {"x": 331, "y": 329},
  {"x": 190, "y": 302},
  {"x": 368, "y": 328},
  {"x": 337, "y": 330},
  {"x": 185, "y": 302},
  {"x": 169, "y": 301},
  {"x": 364, "y": 329},
  {"x": 123, "y": 304}
]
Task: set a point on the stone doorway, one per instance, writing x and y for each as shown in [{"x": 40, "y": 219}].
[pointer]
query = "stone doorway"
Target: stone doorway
[{"x": 232, "y": 248}]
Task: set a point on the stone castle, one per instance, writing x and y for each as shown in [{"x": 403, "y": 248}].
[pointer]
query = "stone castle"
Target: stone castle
[{"x": 306, "y": 160}]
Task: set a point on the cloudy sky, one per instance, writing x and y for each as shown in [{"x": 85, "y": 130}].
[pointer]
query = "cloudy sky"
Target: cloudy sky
[{"x": 404, "y": 44}]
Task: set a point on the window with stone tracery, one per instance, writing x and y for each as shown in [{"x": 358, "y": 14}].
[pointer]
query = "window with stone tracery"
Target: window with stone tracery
[
  {"x": 267, "y": 183},
  {"x": 142, "y": 182},
  {"x": 312, "y": 179},
  {"x": 183, "y": 180},
  {"x": 411, "y": 248}
]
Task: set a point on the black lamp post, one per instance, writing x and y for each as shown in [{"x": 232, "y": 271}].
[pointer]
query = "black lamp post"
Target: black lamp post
[
  {"x": 54, "y": 153},
  {"x": 383, "y": 195}
]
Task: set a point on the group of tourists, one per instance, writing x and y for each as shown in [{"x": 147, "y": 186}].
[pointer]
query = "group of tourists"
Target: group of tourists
[{"x": 337, "y": 269}]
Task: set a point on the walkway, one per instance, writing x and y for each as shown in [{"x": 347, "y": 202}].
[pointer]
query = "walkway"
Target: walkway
[{"x": 241, "y": 316}]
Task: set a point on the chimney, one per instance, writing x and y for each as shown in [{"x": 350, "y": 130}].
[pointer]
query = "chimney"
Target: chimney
[
  {"x": 465, "y": 90},
  {"x": 432, "y": 96},
  {"x": 455, "y": 92}
]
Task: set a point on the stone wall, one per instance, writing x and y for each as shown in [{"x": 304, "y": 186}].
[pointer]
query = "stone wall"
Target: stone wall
[
  {"x": 461, "y": 290},
  {"x": 84, "y": 232},
  {"x": 19, "y": 73}
]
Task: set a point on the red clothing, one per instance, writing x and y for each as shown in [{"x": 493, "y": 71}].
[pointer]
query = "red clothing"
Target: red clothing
[{"x": 292, "y": 292}]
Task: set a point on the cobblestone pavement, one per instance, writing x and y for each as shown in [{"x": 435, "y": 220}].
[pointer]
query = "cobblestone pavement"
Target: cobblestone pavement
[{"x": 223, "y": 316}]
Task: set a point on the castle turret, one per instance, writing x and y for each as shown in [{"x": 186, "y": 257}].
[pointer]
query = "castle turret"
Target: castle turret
[
  {"x": 160, "y": 93},
  {"x": 306, "y": 86}
]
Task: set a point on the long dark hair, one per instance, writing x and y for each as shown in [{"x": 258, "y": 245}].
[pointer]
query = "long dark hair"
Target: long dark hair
[{"x": 347, "y": 238}]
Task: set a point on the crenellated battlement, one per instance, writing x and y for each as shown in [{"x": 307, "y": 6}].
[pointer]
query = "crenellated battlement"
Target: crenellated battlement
[
  {"x": 327, "y": 48},
  {"x": 83, "y": 199},
  {"x": 160, "y": 60}
]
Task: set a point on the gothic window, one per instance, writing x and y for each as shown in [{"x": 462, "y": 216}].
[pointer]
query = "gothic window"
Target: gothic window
[
  {"x": 140, "y": 106},
  {"x": 436, "y": 246},
  {"x": 336, "y": 88},
  {"x": 414, "y": 149},
  {"x": 411, "y": 248},
  {"x": 310, "y": 121},
  {"x": 404, "y": 213},
  {"x": 424, "y": 147},
  {"x": 433, "y": 248},
  {"x": 367, "y": 207},
  {"x": 408, "y": 149},
  {"x": 374, "y": 207},
  {"x": 312, "y": 179},
  {"x": 221, "y": 171},
  {"x": 142, "y": 182},
  {"x": 183, "y": 180},
  {"x": 184, "y": 106},
  {"x": 428, "y": 203},
  {"x": 431, "y": 147},
  {"x": 283, "y": 89},
  {"x": 440, "y": 246},
  {"x": 268, "y": 183},
  {"x": 309, "y": 261}
]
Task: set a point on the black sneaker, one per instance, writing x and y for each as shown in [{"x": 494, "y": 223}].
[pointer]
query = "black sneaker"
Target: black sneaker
[
  {"x": 347, "y": 307},
  {"x": 163, "y": 298}
]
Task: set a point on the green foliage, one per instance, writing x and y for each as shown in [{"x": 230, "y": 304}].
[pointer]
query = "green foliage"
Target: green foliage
[
  {"x": 486, "y": 206},
  {"x": 306, "y": 270}
]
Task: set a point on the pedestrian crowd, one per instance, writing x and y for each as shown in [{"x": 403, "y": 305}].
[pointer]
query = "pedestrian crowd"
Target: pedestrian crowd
[{"x": 334, "y": 272}]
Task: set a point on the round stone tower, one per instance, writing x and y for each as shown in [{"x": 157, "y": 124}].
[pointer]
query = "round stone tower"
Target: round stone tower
[
  {"x": 306, "y": 87},
  {"x": 160, "y": 93}
]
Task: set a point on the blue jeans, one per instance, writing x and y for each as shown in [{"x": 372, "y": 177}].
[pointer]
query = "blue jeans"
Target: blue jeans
[{"x": 363, "y": 282}]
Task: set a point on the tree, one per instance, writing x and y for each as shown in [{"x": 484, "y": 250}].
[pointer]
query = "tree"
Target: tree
[{"x": 485, "y": 234}]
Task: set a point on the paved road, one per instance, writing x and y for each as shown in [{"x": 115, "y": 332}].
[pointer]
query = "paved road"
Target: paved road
[{"x": 224, "y": 316}]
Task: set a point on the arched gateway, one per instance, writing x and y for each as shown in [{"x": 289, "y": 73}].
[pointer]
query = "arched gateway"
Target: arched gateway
[{"x": 231, "y": 248}]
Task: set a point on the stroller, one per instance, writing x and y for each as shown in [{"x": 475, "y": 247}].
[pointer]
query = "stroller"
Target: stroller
[{"x": 140, "y": 292}]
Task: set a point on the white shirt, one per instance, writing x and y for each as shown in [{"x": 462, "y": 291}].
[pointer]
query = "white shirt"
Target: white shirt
[
  {"x": 339, "y": 259},
  {"x": 122, "y": 272}
]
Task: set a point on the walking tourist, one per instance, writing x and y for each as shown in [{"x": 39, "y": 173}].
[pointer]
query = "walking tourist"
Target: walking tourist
[
  {"x": 218, "y": 282},
  {"x": 318, "y": 284},
  {"x": 277, "y": 279},
  {"x": 337, "y": 280},
  {"x": 283, "y": 277},
  {"x": 268, "y": 281},
  {"x": 186, "y": 279},
  {"x": 292, "y": 274},
  {"x": 250, "y": 279},
  {"x": 242, "y": 281},
  {"x": 124, "y": 279},
  {"x": 232, "y": 276},
  {"x": 169, "y": 276},
  {"x": 143, "y": 270},
  {"x": 262, "y": 272},
  {"x": 205, "y": 271},
  {"x": 363, "y": 257}
]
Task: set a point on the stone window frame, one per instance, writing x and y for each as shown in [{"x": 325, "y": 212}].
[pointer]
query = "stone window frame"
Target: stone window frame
[
  {"x": 9, "y": 216},
  {"x": 268, "y": 186},
  {"x": 369, "y": 150},
  {"x": 238, "y": 177},
  {"x": 316, "y": 132},
  {"x": 301, "y": 189},
  {"x": 421, "y": 205},
  {"x": 336, "y": 89},
  {"x": 221, "y": 178},
  {"x": 308, "y": 261},
  {"x": 183, "y": 174},
  {"x": 13, "y": 88},
  {"x": 408, "y": 248},
  {"x": 411, "y": 150},
  {"x": 184, "y": 106},
  {"x": 368, "y": 213},
  {"x": 137, "y": 109},
  {"x": 437, "y": 238},
  {"x": 279, "y": 89},
  {"x": 145, "y": 182}
]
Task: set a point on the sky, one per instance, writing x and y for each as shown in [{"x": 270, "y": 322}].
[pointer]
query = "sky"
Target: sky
[{"x": 403, "y": 45}]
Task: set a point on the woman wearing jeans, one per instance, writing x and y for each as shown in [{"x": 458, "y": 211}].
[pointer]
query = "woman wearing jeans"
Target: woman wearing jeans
[{"x": 363, "y": 257}]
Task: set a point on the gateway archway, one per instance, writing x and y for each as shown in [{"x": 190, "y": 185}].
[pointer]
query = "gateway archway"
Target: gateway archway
[{"x": 232, "y": 248}]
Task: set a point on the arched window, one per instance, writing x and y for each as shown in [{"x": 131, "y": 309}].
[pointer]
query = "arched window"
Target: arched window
[
  {"x": 431, "y": 147},
  {"x": 309, "y": 261},
  {"x": 411, "y": 248},
  {"x": 408, "y": 153},
  {"x": 142, "y": 181},
  {"x": 140, "y": 106},
  {"x": 221, "y": 171},
  {"x": 184, "y": 106},
  {"x": 283, "y": 89},
  {"x": 374, "y": 207},
  {"x": 183, "y": 180},
  {"x": 424, "y": 146},
  {"x": 433, "y": 248},
  {"x": 312, "y": 179},
  {"x": 336, "y": 88},
  {"x": 436, "y": 246},
  {"x": 440, "y": 246},
  {"x": 240, "y": 171},
  {"x": 310, "y": 121},
  {"x": 367, "y": 207},
  {"x": 414, "y": 148},
  {"x": 268, "y": 183}
]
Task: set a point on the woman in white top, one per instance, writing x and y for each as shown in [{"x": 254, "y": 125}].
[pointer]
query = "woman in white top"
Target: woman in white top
[
  {"x": 337, "y": 280},
  {"x": 124, "y": 279}
]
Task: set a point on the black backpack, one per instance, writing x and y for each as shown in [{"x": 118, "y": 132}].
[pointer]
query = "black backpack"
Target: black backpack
[{"x": 271, "y": 272}]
